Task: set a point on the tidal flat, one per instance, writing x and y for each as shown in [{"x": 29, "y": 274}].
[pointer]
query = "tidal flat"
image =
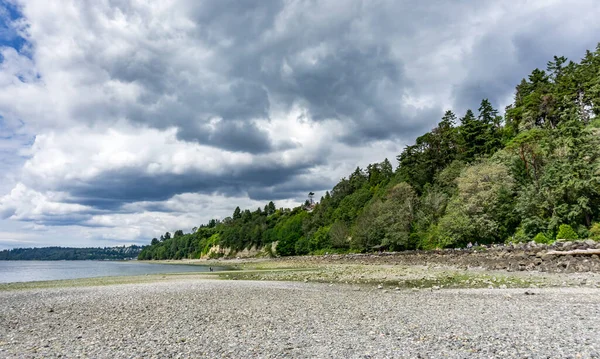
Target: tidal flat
[{"x": 302, "y": 308}]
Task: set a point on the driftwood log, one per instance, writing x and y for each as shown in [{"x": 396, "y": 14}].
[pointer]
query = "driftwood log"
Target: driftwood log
[{"x": 575, "y": 252}]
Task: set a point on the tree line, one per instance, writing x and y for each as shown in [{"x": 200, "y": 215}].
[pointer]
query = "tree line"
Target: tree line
[
  {"x": 66, "y": 253},
  {"x": 531, "y": 174}
]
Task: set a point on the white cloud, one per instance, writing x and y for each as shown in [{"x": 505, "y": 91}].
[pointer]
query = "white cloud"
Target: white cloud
[
  {"x": 159, "y": 115},
  {"x": 25, "y": 204}
]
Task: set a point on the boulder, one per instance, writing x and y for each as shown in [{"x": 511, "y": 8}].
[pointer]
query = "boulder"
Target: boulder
[{"x": 590, "y": 243}]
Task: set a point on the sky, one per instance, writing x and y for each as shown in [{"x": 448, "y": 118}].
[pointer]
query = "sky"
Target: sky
[{"x": 121, "y": 120}]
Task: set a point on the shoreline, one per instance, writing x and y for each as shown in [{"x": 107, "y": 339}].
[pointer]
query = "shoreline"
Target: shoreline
[
  {"x": 305, "y": 308},
  {"x": 375, "y": 272}
]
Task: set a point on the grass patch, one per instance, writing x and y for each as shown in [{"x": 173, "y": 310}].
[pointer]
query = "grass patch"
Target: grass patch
[{"x": 394, "y": 276}]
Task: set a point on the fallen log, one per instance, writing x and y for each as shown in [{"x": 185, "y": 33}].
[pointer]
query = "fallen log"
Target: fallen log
[{"x": 575, "y": 252}]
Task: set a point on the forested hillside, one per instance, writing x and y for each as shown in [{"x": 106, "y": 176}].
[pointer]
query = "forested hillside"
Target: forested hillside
[
  {"x": 533, "y": 173},
  {"x": 67, "y": 253}
]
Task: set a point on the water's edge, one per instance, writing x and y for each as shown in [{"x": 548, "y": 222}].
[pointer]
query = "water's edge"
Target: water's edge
[{"x": 34, "y": 271}]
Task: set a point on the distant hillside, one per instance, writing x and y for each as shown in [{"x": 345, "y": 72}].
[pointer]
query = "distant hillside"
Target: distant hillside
[
  {"x": 66, "y": 253},
  {"x": 532, "y": 174}
]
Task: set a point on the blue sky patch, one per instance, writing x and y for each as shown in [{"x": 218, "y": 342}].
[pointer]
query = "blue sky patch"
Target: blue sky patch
[{"x": 8, "y": 34}]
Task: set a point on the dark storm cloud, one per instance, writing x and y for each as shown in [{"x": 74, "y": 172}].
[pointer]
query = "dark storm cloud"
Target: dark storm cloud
[
  {"x": 238, "y": 21},
  {"x": 62, "y": 219},
  {"x": 354, "y": 77},
  {"x": 232, "y": 136},
  {"x": 360, "y": 86},
  {"x": 111, "y": 190}
]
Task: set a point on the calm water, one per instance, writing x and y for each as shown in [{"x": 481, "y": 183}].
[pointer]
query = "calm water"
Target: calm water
[{"x": 29, "y": 271}]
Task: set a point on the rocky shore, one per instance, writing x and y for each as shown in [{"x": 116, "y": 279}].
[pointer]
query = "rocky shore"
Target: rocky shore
[
  {"x": 246, "y": 319},
  {"x": 516, "y": 257}
]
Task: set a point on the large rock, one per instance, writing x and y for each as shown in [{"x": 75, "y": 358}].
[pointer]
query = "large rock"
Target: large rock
[
  {"x": 590, "y": 243},
  {"x": 547, "y": 257}
]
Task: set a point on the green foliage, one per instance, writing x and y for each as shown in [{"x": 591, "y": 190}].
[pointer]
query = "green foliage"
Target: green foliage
[
  {"x": 210, "y": 242},
  {"x": 542, "y": 239},
  {"x": 339, "y": 235},
  {"x": 455, "y": 228},
  {"x": 268, "y": 248},
  {"x": 594, "y": 232},
  {"x": 65, "y": 253},
  {"x": 431, "y": 153},
  {"x": 477, "y": 211},
  {"x": 351, "y": 205},
  {"x": 320, "y": 240},
  {"x": 430, "y": 239},
  {"x": 301, "y": 247},
  {"x": 446, "y": 179},
  {"x": 520, "y": 236},
  {"x": 288, "y": 232},
  {"x": 387, "y": 222},
  {"x": 566, "y": 232}
]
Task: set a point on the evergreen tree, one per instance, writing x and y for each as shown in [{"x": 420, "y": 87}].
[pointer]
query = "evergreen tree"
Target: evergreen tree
[
  {"x": 474, "y": 136},
  {"x": 237, "y": 213}
]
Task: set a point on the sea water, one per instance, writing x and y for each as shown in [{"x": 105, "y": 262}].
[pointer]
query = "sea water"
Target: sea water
[{"x": 29, "y": 271}]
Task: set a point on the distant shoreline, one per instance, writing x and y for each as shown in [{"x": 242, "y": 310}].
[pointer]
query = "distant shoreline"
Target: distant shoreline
[{"x": 72, "y": 253}]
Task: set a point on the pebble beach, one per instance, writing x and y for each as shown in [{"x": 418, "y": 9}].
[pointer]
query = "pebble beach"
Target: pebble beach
[{"x": 203, "y": 318}]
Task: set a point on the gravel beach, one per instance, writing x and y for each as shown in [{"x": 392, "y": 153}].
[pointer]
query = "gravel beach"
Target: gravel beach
[{"x": 246, "y": 319}]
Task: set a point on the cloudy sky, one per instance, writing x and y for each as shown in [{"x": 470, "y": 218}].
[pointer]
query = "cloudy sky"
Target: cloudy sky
[{"x": 121, "y": 120}]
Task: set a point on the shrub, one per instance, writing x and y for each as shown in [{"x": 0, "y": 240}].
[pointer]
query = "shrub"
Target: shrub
[
  {"x": 429, "y": 239},
  {"x": 582, "y": 231},
  {"x": 319, "y": 240},
  {"x": 270, "y": 249},
  {"x": 519, "y": 237},
  {"x": 595, "y": 232},
  {"x": 287, "y": 246},
  {"x": 566, "y": 232},
  {"x": 541, "y": 238},
  {"x": 338, "y": 235},
  {"x": 302, "y": 246}
]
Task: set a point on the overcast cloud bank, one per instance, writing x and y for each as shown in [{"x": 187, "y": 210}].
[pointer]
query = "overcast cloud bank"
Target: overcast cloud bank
[{"x": 120, "y": 120}]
